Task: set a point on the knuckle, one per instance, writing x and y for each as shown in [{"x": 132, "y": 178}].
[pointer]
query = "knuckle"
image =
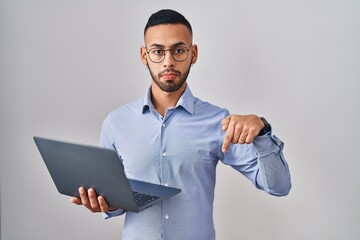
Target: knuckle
[
  {"x": 238, "y": 127},
  {"x": 253, "y": 130},
  {"x": 231, "y": 122}
]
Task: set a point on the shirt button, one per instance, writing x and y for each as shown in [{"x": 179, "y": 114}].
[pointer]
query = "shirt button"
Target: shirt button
[
  {"x": 164, "y": 154},
  {"x": 163, "y": 125},
  {"x": 166, "y": 184},
  {"x": 166, "y": 216}
]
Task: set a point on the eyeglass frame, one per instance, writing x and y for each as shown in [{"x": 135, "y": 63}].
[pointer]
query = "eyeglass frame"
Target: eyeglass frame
[{"x": 169, "y": 49}]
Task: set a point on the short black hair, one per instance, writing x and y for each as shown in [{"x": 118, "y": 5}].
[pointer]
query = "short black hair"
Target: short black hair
[{"x": 167, "y": 16}]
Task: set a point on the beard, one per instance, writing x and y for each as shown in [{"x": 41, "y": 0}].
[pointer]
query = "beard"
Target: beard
[{"x": 170, "y": 86}]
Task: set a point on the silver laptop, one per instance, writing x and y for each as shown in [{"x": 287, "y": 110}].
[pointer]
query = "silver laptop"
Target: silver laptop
[{"x": 74, "y": 165}]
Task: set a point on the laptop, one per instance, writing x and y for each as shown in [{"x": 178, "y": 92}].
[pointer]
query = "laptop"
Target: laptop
[{"x": 74, "y": 165}]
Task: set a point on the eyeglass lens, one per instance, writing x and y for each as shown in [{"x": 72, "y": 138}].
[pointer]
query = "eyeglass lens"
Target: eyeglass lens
[{"x": 158, "y": 54}]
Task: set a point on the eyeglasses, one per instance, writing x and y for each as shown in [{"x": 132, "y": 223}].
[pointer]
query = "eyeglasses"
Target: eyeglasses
[{"x": 179, "y": 53}]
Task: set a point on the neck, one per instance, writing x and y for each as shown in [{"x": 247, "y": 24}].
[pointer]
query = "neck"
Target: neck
[{"x": 162, "y": 101}]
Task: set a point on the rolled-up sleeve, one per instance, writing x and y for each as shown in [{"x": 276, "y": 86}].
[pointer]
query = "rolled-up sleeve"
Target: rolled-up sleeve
[{"x": 262, "y": 162}]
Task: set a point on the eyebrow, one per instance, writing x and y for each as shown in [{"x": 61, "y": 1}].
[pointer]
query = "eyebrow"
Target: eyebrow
[{"x": 162, "y": 46}]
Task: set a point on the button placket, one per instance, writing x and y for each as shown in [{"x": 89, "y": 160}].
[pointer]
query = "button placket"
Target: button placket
[{"x": 163, "y": 152}]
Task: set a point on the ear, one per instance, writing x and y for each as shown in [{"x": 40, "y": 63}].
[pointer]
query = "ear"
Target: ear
[
  {"x": 143, "y": 56},
  {"x": 194, "y": 54}
]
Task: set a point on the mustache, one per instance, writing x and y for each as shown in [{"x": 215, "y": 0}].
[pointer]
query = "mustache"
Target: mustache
[{"x": 169, "y": 70}]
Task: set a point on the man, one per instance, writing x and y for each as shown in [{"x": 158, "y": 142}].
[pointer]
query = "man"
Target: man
[{"x": 172, "y": 138}]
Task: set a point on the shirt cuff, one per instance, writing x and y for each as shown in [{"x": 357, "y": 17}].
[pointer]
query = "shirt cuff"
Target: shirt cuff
[
  {"x": 267, "y": 144},
  {"x": 110, "y": 214}
]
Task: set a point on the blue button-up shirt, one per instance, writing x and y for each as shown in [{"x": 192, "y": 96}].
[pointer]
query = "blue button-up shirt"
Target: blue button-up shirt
[{"x": 182, "y": 149}]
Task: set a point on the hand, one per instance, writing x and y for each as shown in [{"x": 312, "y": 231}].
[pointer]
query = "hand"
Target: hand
[
  {"x": 240, "y": 129},
  {"x": 91, "y": 201}
]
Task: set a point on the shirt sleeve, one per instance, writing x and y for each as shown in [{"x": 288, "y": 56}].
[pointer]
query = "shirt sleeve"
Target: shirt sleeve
[
  {"x": 106, "y": 141},
  {"x": 262, "y": 162},
  {"x": 115, "y": 213}
]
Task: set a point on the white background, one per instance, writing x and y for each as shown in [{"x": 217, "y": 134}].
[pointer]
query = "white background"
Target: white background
[{"x": 66, "y": 64}]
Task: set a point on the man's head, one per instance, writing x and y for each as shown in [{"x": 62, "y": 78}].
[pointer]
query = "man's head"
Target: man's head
[
  {"x": 168, "y": 51},
  {"x": 167, "y": 16}
]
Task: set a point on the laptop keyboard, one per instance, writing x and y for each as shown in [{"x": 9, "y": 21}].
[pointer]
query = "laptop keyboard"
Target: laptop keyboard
[{"x": 142, "y": 198}]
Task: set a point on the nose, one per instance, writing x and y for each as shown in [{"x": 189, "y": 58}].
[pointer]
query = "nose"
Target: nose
[{"x": 168, "y": 61}]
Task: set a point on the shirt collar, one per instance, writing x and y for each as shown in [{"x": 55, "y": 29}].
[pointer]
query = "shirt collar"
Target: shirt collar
[{"x": 186, "y": 101}]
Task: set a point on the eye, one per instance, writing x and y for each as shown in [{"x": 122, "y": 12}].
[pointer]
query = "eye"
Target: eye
[
  {"x": 157, "y": 51},
  {"x": 179, "y": 50}
]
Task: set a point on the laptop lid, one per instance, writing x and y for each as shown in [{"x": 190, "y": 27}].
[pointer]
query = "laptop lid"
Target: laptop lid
[{"x": 74, "y": 165}]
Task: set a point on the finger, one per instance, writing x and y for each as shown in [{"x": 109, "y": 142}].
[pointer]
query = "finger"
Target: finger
[
  {"x": 84, "y": 197},
  {"x": 225, "y": 122},
  {"x": 104, "y": 207},
  {"x": 228, "y": 138},
  {"x": 242, "y": 140},
  {"x": 251, "y": 135},
  {"x": 75, "y": 200},
  {"x": 243, "y": 136},
  {"x": 93, "y": 200},
  {"x": 249, "y": 139},
  {"x": 237, "y": 133}
]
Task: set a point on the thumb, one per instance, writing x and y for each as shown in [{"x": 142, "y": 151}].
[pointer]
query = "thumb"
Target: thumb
[{"x": 75, "y": 200}]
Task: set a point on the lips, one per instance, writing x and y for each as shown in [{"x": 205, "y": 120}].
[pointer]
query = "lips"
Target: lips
[{"x": 169, "y": 76}]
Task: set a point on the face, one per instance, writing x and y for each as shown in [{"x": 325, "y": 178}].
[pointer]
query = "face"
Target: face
[{"x": 169, "y": 75}]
